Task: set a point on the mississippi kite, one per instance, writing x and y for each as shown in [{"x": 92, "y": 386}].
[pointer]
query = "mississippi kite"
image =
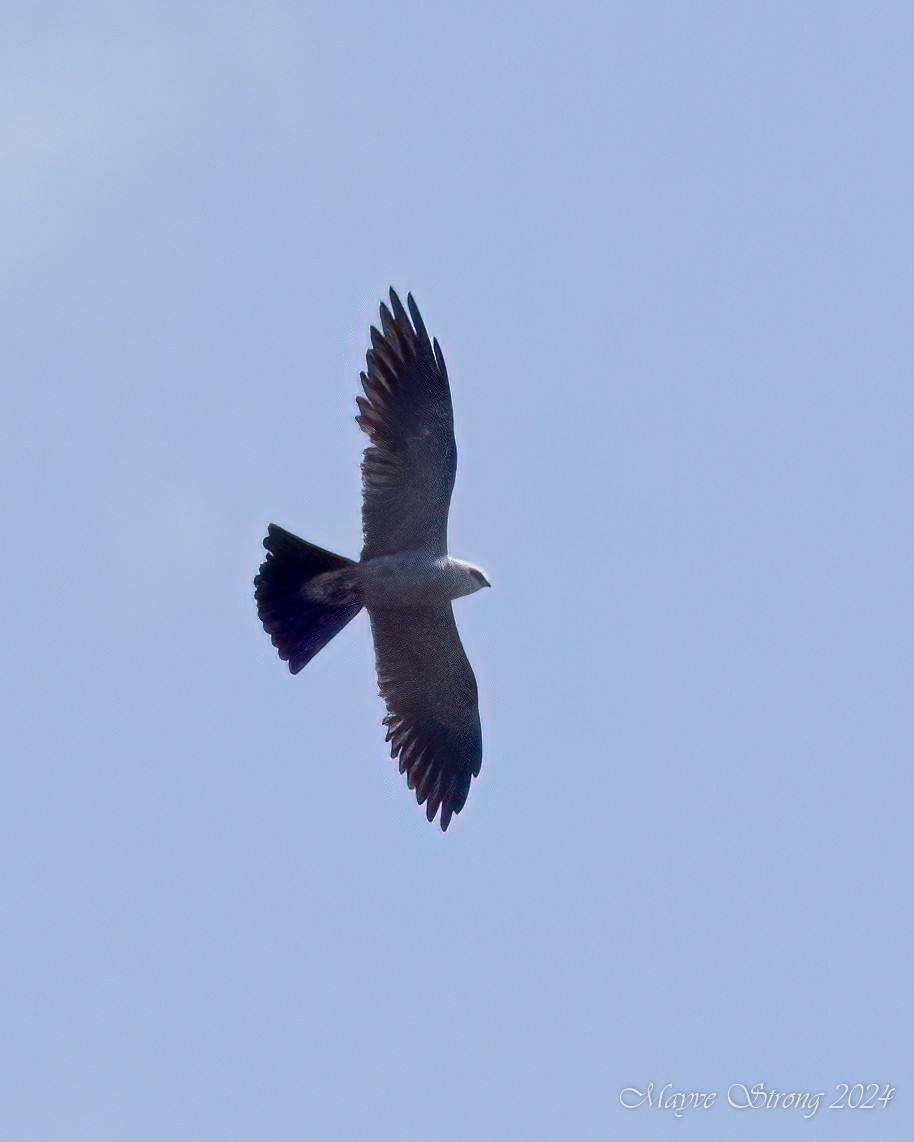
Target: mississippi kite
[{"x": 405, "y": 578}]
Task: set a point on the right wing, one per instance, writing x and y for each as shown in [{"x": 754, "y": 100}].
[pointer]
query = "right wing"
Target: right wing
[{"x": 408, "y": 469}]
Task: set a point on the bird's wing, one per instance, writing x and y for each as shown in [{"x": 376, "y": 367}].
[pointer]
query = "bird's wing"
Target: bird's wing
[
  {"x": 408, "y": 468},
  {"x": 432, "y": 703}
]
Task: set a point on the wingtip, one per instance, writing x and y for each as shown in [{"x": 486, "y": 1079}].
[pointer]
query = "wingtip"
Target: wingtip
[
  {"x": 418, "y": 323},
  {"x": 439, "y": 358},
  {"x": 395, "y": 303},
  {"x": 388, "y": 325},
  {"x": 400, "y": 314}
]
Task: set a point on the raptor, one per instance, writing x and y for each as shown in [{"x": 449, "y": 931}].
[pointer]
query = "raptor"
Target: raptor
[{"x": 405, "y": 578}]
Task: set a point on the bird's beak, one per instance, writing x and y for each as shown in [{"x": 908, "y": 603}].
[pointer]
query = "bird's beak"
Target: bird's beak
[{"x": 486, "y": 581}]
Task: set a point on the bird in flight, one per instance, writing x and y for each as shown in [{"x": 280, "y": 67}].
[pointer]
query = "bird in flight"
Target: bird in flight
[{"x": 405, "y": 578}]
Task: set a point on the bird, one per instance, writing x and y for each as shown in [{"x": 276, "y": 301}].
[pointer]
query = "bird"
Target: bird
[{"x": 405, "y": 578}]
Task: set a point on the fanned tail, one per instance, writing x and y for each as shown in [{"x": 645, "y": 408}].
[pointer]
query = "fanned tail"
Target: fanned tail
[{"x": 305, "y": 595}]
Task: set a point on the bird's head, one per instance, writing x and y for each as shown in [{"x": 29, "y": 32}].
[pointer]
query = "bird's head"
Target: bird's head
[{"x": 469, "y": 578}]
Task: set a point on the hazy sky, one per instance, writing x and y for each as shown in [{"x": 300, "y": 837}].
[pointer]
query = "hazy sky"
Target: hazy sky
[{"x": 668, "y": 250}]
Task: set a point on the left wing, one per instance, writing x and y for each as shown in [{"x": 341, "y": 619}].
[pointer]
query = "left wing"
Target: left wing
[{"x": 432, "y": 703}]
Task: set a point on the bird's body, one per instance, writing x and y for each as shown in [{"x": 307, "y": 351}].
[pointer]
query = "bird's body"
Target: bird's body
[
  {"x": 416, "y": 579},
  {"x": 405, "y": 577}
]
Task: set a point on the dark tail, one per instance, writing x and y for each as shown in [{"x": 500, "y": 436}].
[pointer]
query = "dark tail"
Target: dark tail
[{"x": 305, "y": 596}]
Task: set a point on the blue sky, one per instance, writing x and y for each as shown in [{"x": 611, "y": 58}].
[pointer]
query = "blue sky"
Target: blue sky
[{"x": 667, "y": 249}]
